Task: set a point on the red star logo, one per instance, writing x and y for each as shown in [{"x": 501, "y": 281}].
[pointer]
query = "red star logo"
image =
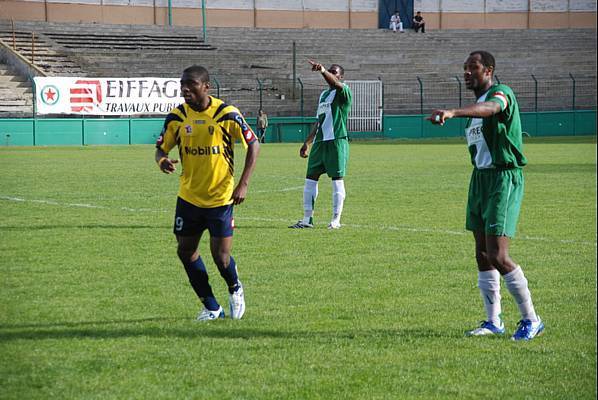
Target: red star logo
[{"x": 50, "y": 95}]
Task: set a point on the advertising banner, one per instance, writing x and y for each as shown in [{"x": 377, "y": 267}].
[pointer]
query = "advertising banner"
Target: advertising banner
[{"x": 106, "y": 96}]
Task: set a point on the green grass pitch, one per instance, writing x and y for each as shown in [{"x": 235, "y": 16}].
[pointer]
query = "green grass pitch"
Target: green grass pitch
[{"x": 95, "y": 305}]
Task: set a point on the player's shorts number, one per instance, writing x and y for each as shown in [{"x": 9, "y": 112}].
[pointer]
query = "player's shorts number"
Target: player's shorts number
[{"x": 178, "y": 223}]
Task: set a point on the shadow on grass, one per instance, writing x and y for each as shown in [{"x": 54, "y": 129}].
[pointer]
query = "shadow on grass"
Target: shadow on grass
[{"x": 190, "y": 329}]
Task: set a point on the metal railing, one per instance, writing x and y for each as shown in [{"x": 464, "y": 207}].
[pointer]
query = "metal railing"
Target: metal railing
[{"x": 421, "y": 95}]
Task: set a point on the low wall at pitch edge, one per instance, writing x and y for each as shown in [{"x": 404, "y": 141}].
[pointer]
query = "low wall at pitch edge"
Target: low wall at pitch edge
[{"x": 109, "y": 131}]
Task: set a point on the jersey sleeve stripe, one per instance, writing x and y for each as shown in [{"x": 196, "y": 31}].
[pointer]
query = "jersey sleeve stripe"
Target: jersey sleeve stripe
[
  {"x": 228, "y": 151},
  {"x": 219, "y": 109},
  {"x": 229, "y": 116},
  {"x": 246, "y": 131},
  {"x": 501, "y": 96},
  {"x": 181, "y": 108},
  {"x": 171, "y": 117}
]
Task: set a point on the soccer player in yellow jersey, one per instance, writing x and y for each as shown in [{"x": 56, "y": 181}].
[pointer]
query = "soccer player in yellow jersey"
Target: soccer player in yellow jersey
[{"x": 204, "y": 129}]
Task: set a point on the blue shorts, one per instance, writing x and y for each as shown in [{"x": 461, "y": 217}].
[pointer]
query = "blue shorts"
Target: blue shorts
[{"x": 190, "y": 220}]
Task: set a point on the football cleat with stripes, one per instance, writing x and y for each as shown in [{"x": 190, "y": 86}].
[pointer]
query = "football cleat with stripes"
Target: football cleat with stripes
[
  {"x": 487, "y": 328},
  {"x": 207, "y": 315}
]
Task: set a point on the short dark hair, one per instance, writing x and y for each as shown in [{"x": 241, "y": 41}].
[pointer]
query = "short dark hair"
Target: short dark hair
[
  {"x": 198, "y": 72},
  {"x": 487, "y": 59},
  {"x": 340, "y": 69}
]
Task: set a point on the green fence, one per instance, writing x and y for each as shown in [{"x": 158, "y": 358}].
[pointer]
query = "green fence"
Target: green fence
[{"x": 103, "y": 131}]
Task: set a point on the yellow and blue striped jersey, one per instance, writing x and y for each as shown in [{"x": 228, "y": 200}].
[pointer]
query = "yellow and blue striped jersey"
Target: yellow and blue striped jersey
[{"x": 205, "y": 142}]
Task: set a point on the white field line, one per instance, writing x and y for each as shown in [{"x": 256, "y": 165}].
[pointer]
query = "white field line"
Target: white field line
[
  {"x": 77, "y": 205},
  {"x": 287, "y": 221}
]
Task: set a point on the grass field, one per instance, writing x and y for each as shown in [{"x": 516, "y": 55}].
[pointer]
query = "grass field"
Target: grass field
[{"x": 95, "y": 305}]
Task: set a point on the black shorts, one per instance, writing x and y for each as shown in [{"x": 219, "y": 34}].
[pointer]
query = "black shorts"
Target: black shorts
[{"x": 190, "y": 220}]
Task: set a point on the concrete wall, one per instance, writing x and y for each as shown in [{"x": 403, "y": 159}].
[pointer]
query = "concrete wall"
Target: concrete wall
[
  {"x": 353, "y": 14},
  {"x": 508, "y": 14}
]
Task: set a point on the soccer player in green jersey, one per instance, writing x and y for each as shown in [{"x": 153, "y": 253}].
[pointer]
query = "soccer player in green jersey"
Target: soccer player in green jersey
[
  {"x": 204, "y": 129},
  {"x": 494, "y": 139},
  {"x": 330, "y": 150}
]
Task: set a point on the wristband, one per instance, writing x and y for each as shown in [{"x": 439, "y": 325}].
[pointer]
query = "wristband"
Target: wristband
[{"x": 322, "y": 69}]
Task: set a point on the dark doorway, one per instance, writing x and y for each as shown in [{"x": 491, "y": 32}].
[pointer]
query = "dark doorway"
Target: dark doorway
[{"x": 386, "y": 8}]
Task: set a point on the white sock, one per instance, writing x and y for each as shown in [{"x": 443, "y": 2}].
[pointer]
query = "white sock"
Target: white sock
[
  {"x": 338, "y": 199},
  {"x": 517, "y": 285},
  {"x": 310, "y": 194},
  {"x": 489, "y": 284}
]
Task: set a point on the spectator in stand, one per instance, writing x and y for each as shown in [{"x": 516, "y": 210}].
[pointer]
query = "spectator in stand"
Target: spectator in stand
[
  {"x": 419, "y": 22},
  {"x": 395, "y": 22}
]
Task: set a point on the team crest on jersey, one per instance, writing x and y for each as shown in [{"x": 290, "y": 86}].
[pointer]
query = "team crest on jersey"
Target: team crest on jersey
[
  {"x": 188, "y": 129},
  {"x": 211, "y": 130}
]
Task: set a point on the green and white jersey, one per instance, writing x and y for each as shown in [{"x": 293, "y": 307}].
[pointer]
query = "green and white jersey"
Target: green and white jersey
[
  {"x": 497, "y": 141},
  {"x": 333, "y": 112}
]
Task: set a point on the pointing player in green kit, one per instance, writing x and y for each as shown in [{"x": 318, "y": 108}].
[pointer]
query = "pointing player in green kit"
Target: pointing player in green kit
[
  {"x": 494, "y": 139},
  {"x": 330, "y": 150}
]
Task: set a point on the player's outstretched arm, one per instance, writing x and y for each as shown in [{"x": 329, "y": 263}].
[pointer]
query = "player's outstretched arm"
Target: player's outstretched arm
[
  {"x": 240, "y": 192},
  {"x": 480, "y": 110},
  {"x": 166, "y": 165}
]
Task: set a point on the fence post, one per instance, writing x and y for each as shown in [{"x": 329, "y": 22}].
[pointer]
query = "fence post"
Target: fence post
[
  {"x": 535, "y": 103},
  {"x": 301, "y": 100},
  {"x": 32, "y": 47},
  {"x": 34, "y": 108},
  {"x": 217, "y": 87},
  {"x": 573, "y": 105},
  {"x": 460, "y": 96},
  {"x": 259, "y": 83},
  {"x": 382, "y": 106},
  {"x": 294, "y": 68},
  {"x": 573, "y": 79},
  {"x": 421, "y": 104},
  {"x": 14, "y": 40},
  {"x": 169, "y": 12},
  {"x": 203, "y": 18}
]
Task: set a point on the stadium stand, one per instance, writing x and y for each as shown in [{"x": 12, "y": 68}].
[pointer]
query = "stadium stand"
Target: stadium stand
[
  {"x": 237, "y": 58},
  {"x": 15, "y": 93}
]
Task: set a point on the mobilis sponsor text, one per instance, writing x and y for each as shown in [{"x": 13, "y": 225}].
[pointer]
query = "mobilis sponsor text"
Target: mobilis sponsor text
[{"x": 202, "y": 151}]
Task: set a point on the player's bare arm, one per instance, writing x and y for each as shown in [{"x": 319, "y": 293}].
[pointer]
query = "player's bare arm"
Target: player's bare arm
[
  {"x": 240, "y": 191},
  {"x": 480, "y": 110},
  {"x": 310, "y": 138},
  {"x": 166, "y": 164}
]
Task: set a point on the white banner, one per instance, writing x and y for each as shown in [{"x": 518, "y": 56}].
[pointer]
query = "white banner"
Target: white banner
[{"x": 106, "y": 96}]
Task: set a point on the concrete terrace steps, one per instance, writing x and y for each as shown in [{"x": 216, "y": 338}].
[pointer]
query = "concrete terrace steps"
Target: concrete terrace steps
[
  {"x": 42, "y": 52},
  {"x": 16, "y": 97},
  {"x": 242, "y": 55},
  {"x": 93, "y": 41}
]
